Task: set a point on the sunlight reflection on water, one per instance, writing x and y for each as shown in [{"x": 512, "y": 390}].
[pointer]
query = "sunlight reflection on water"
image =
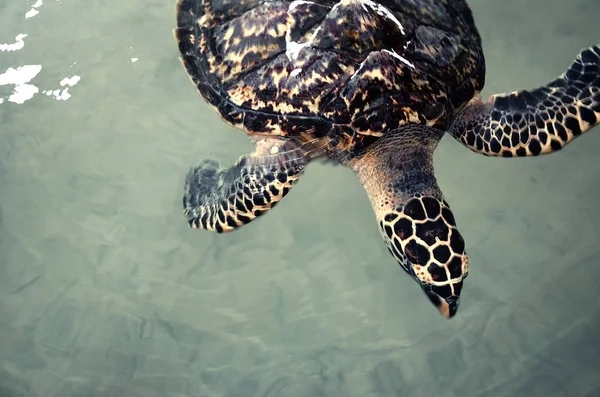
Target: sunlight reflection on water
[{"x": 19, "y": 78}]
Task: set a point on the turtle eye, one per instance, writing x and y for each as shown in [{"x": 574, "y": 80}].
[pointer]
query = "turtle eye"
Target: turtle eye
[
  {"x": 401, "y": 258},
  {"x": 410, "y": 269}
]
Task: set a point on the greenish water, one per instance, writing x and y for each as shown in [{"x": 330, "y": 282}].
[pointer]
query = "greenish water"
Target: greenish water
[{"x": 105, "y": 291}]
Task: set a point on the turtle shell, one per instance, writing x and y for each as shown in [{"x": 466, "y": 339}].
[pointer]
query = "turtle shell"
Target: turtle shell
[{"x": 358, "y": 67}]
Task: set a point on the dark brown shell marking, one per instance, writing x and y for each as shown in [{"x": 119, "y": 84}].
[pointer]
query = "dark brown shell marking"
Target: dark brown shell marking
[{"x": 354, "y": 66}]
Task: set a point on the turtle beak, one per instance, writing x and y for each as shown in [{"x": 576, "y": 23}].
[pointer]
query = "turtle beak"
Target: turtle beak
[{"x": 446, "y": 304}]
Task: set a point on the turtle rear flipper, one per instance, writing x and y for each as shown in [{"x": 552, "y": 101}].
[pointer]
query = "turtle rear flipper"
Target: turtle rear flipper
[
  {"x": 415, "y": 221},
  {"x": 541, "y": 121},
  {"x": 222, "y": 200}
]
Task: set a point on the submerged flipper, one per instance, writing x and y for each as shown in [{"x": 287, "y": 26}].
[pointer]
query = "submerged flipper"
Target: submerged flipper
[
  {"x": 223, "y": 200},
  {"x": 414, "y": 219},
  {"x": 541, "y": 121}
]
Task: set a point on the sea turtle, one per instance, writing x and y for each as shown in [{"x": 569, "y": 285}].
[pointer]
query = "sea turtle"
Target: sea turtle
[{"x": 373, "y": 85}]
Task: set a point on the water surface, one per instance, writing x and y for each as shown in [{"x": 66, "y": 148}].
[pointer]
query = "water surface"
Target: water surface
[{"x": 104, "y": 290}]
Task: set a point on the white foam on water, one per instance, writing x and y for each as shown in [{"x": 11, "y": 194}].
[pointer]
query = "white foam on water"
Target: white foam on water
[
  {"x": 20, "y": 75},
  {"x": 33, "y": 11},
  {"x": 23, "y": 93},
  {"x": 16, "y": 46},
  {"x": 63, "y": 94},
  {"x": 70, "y": 81},
  {"x": 23, "y": 90},
  {"x": 20, "y": 78}
]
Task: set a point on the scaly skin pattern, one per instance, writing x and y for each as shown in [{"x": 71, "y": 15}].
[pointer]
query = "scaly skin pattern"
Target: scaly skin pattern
[
  {"x": 352, "y": 69},
  {"x": 541, "y": 121},
  {"x": 375, "y": 83},
  {"x": 415, "y": 220},
  {"x": 422, "y": 236},
  {"x": 222, "y": 200}
]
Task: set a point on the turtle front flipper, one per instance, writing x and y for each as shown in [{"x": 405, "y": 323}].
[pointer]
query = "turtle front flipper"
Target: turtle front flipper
[
  {"x": 541, "y": 121},
  {"x": 414, "y": 219},
  {"x": 222, "y": 200}
]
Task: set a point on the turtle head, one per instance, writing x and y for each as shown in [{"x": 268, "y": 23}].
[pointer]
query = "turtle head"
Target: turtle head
[
  {"x": 415, "y": 220},
  {"x": 423, "y": 238},
  {"x": 440, "y": 270},
  {"x": 442, "y": 291},
  {"x": 445, "y": 298}
]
